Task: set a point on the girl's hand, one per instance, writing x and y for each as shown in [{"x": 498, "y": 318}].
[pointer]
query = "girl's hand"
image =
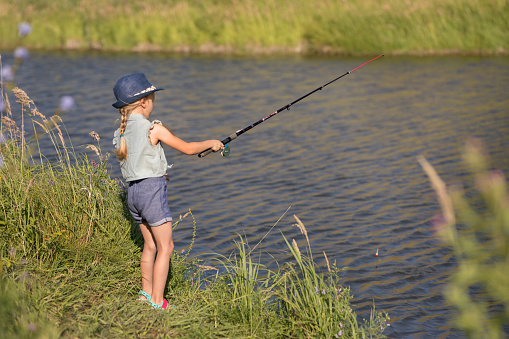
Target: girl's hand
[{"x": 216, "y": 145}]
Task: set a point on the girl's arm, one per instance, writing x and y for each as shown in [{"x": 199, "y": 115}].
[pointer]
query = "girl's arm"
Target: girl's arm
[{"x": 161, "y": 133}]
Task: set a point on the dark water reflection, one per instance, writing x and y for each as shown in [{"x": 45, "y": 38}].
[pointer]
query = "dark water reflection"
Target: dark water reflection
[{"x": 344, "y": 159}]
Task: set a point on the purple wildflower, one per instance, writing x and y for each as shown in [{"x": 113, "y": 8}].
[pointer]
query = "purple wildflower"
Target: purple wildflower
[
  {"x": 323, "y": 290},
  {"x": 340, "y": 333},
  {"x": 490, "y": 181},
  {"x": 24, "y": 29},
  {"x": 66, "y": 103},
  {"x": 316, "y": 289},
  {"x": 21, "y": 53},
  {"x": 7, "y": 73},
  {"x": 23, "y": 276},
  {"x": 32, "y": 327}
]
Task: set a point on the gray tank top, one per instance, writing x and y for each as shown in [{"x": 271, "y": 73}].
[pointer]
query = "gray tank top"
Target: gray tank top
[{"x": 144, "y": 160}]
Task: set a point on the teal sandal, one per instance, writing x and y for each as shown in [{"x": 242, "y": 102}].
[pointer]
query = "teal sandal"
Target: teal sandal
[
  {"x": 162, "y": 306},
  {"x": 144, "y": 294}
]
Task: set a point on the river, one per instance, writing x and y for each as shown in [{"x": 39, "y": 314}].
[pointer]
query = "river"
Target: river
[{"x": 343, "y": 160}]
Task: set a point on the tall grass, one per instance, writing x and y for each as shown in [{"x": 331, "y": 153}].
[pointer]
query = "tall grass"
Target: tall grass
[
  {"x": 263, "y": 26},
  {"x": 70, "y": 252},
  {"x": 57, "y": 207}
]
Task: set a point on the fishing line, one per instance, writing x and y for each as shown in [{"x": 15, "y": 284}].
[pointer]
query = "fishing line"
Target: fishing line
[{"x": 226, "y": 151}]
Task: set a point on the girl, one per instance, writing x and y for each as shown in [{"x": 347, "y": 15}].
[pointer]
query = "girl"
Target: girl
[{"x": 143, "y": 165}]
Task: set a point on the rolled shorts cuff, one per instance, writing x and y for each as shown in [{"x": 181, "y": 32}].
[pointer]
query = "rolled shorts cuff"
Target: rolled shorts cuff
[{"x": 160, "y": 222}]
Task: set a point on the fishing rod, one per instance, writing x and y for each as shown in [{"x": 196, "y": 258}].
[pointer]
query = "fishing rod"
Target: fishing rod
[{"x": 226, "y": 151}]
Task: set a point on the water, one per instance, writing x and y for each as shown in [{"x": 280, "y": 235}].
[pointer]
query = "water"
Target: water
[{"x": 343, "y": 160}]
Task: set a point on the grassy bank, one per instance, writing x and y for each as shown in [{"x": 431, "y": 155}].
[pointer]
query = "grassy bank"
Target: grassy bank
[
  {"x": 69, "y": 259},
  {"x": 262, "y": 26}
]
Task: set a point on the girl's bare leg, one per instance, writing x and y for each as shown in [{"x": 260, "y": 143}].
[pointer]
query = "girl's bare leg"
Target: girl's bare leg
[
  {"x": 163, "y": 237},
  {"x": 147, "y": 259}
]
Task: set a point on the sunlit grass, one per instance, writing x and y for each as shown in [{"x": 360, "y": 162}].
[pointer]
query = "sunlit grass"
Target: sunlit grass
[{"x": 333, "y": 26}]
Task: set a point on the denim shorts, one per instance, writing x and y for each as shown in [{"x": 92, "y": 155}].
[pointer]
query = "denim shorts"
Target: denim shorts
[{"x": 148, "y": 201}]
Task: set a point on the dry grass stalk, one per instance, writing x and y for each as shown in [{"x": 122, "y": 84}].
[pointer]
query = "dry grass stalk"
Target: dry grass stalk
[
  {"x": 93, "y": 148},
  {"x": 22, "y": 96},
  {"x": 8, "y": 122},
  {"x": 184, "y": 216},
  {"x": 281, "y": 217},
  {"x": 209, "y": 268},
  {"x": 59, "y": 133},
  {"x": 61, "y": 137},
  {"x": 441, "y": 191},
  {"x": 11, "y": 126},
  {"x": 326, "y": 260},
  {"x": 294, "y": 244},
  {"x": 302, "y": 228},
  {"x": 43, "y": 126},
  {"x": 7, "y": 105},
  {"x": 56, "y": 117},
  {"x": 35, "y": 111},
  {"x": 95, "y": 136}
]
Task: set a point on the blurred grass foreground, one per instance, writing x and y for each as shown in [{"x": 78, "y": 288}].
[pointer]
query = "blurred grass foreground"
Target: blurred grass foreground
[
  {"x": 347, "y": 27},
  {"x": 70, "y": 253},
  {"x": 474, "y": 222}
]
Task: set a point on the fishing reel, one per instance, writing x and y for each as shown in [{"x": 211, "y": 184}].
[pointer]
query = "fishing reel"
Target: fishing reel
[{"x": 225, "y": 151}]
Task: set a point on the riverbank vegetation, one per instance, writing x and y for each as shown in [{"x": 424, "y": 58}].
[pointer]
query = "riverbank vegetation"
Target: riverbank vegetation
[
  {"x": 69, "y": 258},
  {"x": 262, "y": 26}
]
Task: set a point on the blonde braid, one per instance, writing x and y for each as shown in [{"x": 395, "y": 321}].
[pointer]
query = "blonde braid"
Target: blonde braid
[{"x": 121, "y": 152}]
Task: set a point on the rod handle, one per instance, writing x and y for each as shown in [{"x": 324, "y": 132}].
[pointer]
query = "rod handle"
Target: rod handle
[
  {"x": 204, "y": 153},
  {"x": 225, "y": 141}
]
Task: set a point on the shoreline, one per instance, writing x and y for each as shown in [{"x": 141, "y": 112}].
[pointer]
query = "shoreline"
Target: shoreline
[{"x": 255, "y": 51}]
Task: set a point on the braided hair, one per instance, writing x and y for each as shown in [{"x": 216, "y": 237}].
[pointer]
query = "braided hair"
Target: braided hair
[{"x": 121, "y": 152}]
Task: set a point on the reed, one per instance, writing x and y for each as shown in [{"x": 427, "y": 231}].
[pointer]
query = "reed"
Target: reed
[{"x": 266, "y": 26}]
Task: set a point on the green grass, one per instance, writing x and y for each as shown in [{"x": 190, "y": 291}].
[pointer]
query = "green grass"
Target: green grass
[
  {"x": 263, "y": 26},
  {"x": 70, "y": 252}
]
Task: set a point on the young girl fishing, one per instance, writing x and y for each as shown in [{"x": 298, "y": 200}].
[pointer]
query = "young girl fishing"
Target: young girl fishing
[{"x": 143, "y": 165}]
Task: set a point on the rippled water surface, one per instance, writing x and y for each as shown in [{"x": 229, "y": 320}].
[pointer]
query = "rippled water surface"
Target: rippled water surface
[{"x": 343, "y": 159}]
